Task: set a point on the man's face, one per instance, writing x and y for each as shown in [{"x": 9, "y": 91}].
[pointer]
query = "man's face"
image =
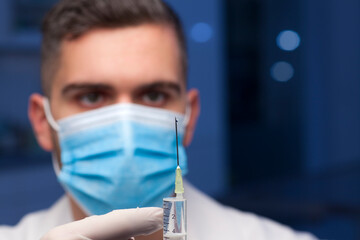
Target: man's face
[
  {"x": 106, "y": 66},
  {"x": 124, "y": 65}
]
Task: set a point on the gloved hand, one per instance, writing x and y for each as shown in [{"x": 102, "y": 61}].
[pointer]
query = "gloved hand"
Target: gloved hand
[{"x": 119, "y": 224}]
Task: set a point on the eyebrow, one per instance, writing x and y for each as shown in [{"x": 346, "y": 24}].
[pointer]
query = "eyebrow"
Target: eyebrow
[
  {"x": 85, "y": 86},
  {"x": 161, "y": 85}
]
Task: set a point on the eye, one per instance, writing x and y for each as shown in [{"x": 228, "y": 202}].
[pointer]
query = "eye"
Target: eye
[
  {"x": 91, "y": 99},
  {"x": 154, "y": 98}
]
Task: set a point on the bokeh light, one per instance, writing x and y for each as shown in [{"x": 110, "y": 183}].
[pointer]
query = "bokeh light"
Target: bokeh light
[
  {"x": 201, "y": 32},
  {"x": 282, "y": 71},
  {"x": 288, "y": 40}
]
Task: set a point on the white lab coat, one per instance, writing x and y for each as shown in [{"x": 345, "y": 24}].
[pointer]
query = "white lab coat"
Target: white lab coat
[{"x": 207, "y": 220}]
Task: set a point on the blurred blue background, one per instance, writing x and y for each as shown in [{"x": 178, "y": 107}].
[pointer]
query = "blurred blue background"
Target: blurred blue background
[{"x": 279, "y": 131}]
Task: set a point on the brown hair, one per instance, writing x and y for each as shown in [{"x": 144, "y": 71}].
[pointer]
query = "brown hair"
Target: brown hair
[{"x": 70, "y": 19}]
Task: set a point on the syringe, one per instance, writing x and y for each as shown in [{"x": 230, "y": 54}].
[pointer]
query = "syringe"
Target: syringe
[{"x": 175, "y": 207}]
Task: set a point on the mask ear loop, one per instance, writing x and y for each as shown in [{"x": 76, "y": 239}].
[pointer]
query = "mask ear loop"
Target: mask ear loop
[
  {"x": 49, "y": 116},
  {"x": 55, "y": 164},
  {"x": 56, "y": 127}
]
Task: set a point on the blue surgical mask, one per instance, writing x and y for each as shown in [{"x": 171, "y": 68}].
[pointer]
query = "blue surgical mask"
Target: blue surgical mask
[{"x": 119, "y": 156}]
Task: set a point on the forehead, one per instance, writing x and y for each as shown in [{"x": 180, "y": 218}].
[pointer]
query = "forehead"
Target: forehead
[{"x": 121, "y": 56}]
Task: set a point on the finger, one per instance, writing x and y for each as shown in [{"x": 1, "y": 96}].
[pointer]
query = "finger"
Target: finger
[{"x": 119, "y": 224}]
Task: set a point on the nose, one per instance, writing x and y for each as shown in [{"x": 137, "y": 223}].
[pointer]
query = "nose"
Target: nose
[{"x": 124, "y": 98}]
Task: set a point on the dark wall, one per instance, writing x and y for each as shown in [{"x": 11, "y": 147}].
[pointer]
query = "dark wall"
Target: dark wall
[{"x": 295, "y": 143}]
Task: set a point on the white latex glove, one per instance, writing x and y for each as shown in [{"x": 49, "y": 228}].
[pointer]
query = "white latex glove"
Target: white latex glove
[{"x": 119, "y": 224}]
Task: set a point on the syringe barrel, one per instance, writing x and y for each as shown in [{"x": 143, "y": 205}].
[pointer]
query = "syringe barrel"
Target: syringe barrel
[{"x": 175, "y": 218}]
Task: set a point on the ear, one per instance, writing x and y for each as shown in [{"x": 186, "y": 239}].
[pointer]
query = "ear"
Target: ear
[
  {"x": 194, "y": 101},
  {"x": 39, "y": 123}
]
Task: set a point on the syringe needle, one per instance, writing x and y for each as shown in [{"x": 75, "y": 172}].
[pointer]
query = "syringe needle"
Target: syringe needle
[{"x": 177, "y": 143}]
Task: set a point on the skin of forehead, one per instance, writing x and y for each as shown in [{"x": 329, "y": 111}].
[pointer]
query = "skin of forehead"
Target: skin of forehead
[{"x": 67, "y": 42}]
